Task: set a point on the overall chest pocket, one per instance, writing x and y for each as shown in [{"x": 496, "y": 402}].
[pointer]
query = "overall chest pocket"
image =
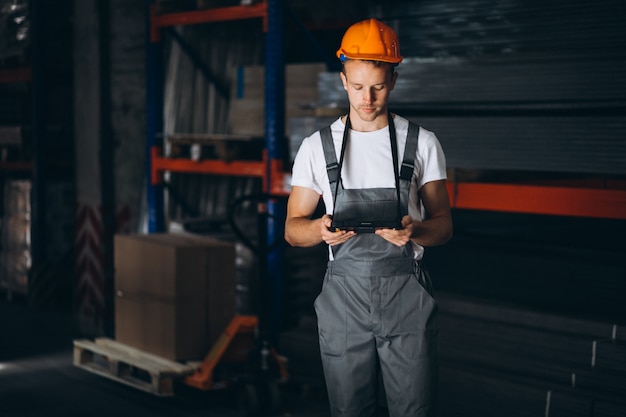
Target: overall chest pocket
[{"x": 368, "y": 205}]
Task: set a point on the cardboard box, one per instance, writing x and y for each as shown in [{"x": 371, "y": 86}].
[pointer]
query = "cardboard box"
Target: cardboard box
[
  {"x": 175, "y": 293},
  {"x": 246, "y": 114}
]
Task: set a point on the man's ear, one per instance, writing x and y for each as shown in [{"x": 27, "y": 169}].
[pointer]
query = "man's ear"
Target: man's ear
[
  {"x": 394, "y": 77},
  {"x": 344, "y": 80}
]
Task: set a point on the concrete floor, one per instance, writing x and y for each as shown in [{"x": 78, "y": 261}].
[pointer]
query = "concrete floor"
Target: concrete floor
[
  {"x": 479, "y": 375},
  {"x": 37, "y": 378}
]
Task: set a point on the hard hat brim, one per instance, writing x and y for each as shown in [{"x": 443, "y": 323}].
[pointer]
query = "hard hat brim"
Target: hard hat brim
[{"x": 368, "y": 57}]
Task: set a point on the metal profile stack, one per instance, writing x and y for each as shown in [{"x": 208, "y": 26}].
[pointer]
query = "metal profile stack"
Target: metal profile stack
[
  {"x": 501, "y": 360},
  {"x": 510, "y": 115},
  {"x": 512, "y": 86}
]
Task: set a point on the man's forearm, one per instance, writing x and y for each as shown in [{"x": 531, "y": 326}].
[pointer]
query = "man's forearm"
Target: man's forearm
[
  {"x": 432, "y": 232},
  {"x": 303, "y": 232}
]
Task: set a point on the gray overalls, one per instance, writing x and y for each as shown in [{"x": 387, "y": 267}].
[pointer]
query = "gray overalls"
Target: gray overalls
[{"x": 376, "y": 319}]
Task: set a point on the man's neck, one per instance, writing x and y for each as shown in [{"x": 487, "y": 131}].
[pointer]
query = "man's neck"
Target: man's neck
[{"x": 361, "y": 125}]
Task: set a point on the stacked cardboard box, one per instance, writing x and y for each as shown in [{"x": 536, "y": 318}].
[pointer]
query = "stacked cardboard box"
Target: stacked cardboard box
[
  {"x": 175, "y": 293},
  {"x": 247, "y": 105}
]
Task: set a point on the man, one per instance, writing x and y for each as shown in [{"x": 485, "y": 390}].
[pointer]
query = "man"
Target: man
[{"x": 382, "y": 180}]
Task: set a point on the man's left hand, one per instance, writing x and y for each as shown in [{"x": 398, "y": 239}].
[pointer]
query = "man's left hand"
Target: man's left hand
[{"x": 398, "y": 237}]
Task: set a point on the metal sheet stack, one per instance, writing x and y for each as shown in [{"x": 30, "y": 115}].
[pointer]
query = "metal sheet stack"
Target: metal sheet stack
[
  {"x": 15, "y": 249},
  {"x": 193, "y": 105},
  {"x": 301, "y": 127},
  {"x": 512, "y": 86},
  {"x": 14, "y": 32},
  {"x": 510, "y": 115}
]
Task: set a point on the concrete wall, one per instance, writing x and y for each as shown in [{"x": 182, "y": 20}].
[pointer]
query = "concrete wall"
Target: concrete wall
[
  {"x": 109, "y": 145},
  {"x": 128, "y": 107}
]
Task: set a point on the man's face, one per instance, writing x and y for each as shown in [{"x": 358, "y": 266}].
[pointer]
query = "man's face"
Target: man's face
[{"x": 368, "y": 86}]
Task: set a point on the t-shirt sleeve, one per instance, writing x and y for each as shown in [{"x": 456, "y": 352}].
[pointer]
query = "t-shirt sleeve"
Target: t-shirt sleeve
[
  {"x": 303, "y": 172},
  {"x": 433, "y": 160}
]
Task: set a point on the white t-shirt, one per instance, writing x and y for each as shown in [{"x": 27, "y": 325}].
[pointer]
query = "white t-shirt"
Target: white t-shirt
[{"x": 368, "y": 164}]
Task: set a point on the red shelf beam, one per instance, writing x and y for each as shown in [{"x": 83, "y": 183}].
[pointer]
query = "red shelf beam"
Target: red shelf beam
[
  {"x": 25, "y": 166},
  {"x": 561, "y": 201},
  {"x": 220, "y": 14},
  {"x": 15, "y": 75}
]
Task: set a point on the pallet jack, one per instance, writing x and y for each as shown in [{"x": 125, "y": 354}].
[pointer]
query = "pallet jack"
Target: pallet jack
[
  {"x": 245, "y": 347},
  {"x": 236, "y": 358}
]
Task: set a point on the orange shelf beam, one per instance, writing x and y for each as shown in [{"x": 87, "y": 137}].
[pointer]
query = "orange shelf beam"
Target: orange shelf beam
[
  {"x": 513, "y": 198},
  {"x": 258, "y": 169},
  {"x": 562, "y": 201},
  {"x": 16, "y": 75},
  {"x": 219, "y": 14}
]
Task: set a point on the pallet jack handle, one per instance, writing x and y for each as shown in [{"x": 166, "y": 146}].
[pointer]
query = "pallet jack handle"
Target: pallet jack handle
[{"x": 262, "y": 248}]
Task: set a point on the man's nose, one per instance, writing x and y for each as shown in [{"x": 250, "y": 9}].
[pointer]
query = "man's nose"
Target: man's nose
[{"x": 367, "y": 95}]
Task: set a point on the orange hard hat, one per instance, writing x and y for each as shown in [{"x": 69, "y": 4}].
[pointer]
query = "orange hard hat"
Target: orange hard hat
[{"x": 371, "y": 40}]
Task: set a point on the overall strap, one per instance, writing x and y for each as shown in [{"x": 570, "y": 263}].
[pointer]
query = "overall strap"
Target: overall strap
[
  {"x": 408, "y": 164},
  {"x": 332, "y": 167},
  {"x": 406, "y": 169}
]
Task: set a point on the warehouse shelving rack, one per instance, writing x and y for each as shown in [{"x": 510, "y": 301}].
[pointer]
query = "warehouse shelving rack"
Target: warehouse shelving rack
[
  {"x": 269, "y": 168},
  {"x": 23, "y": 168},
  {"x": 33, "y": 75}
]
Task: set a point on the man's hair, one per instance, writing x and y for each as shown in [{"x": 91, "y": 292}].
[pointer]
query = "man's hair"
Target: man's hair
[{"x": 377, "y": 64}]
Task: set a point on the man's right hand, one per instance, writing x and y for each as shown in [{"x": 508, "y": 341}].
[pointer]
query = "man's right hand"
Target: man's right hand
[{"x": 333, "y": 237}]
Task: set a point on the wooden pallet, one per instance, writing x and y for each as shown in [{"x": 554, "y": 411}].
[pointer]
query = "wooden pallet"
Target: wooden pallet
[
  {"x": 11, "y": 290},
  {"x": 130, "y": 366}
]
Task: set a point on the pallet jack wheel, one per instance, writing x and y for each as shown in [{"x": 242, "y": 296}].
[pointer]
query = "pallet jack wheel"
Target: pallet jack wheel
[
  {"x": 259, "y": 399},
  {"x": 273, "y": 398},
  {"x": 248, "y": 400}
]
